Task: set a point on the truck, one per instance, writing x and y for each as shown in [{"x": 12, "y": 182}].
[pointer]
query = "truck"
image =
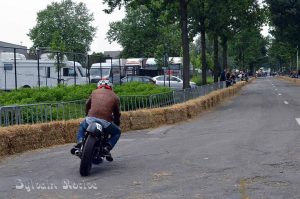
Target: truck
[
  {"x": 133, "y": 65},
  {"x": 19, "y": 72}
]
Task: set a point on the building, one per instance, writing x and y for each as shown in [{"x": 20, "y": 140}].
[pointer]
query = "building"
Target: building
[
  {"x": 8, "y": 47},
  {"x": 112, "y": 54}
]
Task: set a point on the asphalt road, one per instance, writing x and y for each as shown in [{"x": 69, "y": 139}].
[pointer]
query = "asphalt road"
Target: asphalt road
[{"x": 249, "y": 147}]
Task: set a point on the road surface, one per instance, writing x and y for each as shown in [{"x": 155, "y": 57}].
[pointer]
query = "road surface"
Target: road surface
[{"x": 249, "y": 147}]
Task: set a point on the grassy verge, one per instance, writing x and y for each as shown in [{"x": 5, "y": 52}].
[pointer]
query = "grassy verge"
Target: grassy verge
[
  {"x": 71, "y": 93},
  {"x": 198, "y": 80}
]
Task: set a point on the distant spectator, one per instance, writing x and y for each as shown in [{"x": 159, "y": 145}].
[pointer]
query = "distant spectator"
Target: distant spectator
[
  {"x": 228, "y": 79},
  {"x": 223, "y": 75},
  {"x": 233, "y": 77}
]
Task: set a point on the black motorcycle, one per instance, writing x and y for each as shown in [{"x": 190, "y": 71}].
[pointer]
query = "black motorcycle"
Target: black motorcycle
[{"x": 92, "y": 148}]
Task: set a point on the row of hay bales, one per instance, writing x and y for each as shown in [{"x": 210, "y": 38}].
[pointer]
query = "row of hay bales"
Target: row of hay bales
[
  {"x": 20, "y": 138},
  {"x": 294, "y": 80}
]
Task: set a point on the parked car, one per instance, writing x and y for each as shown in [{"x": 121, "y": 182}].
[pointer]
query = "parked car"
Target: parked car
[
  {"x": 144, "y": 79},
  {"x": 173, "y": 81}
]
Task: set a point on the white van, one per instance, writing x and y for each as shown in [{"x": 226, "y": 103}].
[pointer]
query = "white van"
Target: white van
[
  {"x": 32, "y": 73},
  {"x": 99, "y": 71}
]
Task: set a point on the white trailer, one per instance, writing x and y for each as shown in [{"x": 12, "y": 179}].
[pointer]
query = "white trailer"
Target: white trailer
[
  {"x": 32, "y": 73},
  {"x": 111, "y": 70}
]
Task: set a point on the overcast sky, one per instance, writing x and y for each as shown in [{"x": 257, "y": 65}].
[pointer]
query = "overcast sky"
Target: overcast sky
[{"x": 18, "y": 16}]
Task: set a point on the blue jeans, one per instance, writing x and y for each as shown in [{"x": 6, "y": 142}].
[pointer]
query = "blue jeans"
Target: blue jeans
[{"x": 112, "y": 129}]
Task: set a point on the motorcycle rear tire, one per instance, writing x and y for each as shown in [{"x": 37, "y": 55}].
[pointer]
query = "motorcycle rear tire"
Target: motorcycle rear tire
[{"x": 87, "y": 156}]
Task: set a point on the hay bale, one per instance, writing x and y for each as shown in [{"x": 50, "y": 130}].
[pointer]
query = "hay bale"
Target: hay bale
[
  {"x": 27, "y": 137},
  {"x": 204, "y": 103},
  {"x": 227, "y": 93},
  {"x": 293, "y": 80},
  {"x": 208, "y": 102},
  {"x": 125, "y": 121},
  {"x": 23, "y": 138},
  {"x": 218, "y": 97},
  {"x": 176, "y": 113},
  {"x": 56, "y": 132},
  {"x": 214, "y": 98},
  {"x": 158, "y": 116},
  {"x": 4, "y": 142},
  {"x": 141, "y": 119},
  {"x": 192, "y": 108},
  {"x": 231, "y": 91},
  {"x": 222, "y": 94},
  {"x": 70, "y": 130}
]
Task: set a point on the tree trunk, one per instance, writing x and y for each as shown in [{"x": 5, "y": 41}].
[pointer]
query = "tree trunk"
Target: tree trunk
[
  {"x": 203, "y": 49},
  {"x": 243, "y": 59},
  {"x": 216, "y": 59},
  {"x": 224, "y": 55},
  {"x": 251, "y": 68},
  {"x": 185, "y": 43}
]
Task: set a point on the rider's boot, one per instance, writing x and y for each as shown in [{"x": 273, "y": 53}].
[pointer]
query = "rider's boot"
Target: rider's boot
[
  {"x": 107, "y": 154},
  {"x": 76, "y": 148}
]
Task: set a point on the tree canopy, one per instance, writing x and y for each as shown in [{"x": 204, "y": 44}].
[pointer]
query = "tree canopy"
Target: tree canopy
[
  {"x": 64, "y": 26},
  {"x": 229, "y": 22},
  {"x": 284, "y": 18},
  {"x": 143, "y": 33}
]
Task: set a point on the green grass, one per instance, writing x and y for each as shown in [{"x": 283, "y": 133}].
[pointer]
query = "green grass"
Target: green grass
[
  {"x": 198, "y": 80},
  {"x": 71, "y": 93}
]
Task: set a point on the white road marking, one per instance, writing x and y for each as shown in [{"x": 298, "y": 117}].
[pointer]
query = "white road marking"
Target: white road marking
[
  {"x": 286, "y": 102},
  {"x": 276, "y": 89},
  {"x": 298, "y": 120},
  {"x": 279, "y": 94}
]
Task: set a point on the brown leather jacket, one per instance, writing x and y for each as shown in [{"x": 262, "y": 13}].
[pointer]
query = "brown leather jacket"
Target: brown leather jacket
[{"x": 104, "y": 104}]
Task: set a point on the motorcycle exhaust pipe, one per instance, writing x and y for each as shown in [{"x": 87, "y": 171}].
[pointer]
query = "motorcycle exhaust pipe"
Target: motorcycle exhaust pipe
[{"x": 78, "y": 153}]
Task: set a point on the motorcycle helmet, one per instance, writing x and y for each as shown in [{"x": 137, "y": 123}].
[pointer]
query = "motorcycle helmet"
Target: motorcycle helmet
[{"x": 104, "y": 84}]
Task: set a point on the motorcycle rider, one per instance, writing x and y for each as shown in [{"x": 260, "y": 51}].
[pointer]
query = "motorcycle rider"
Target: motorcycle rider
[{"x": 102, "y": 106}]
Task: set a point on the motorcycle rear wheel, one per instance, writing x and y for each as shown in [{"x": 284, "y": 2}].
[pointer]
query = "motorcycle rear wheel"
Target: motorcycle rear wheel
[{"x": 87, "y": 156}]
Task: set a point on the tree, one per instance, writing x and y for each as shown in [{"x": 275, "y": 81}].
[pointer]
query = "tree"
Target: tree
[
  {"x": 196, "y": 56},
  {"x": 236, "y": 16},
  {"x": 249, "y": 49},
  {"x": 198, "y": 10},
  {"x": 96, "y": 58},
  {"x": 181, "y": 8},
  {"x": 64, "y": 26},
  {"x": 281, "y": 55},
  {"x": 284, "y": 17},
  {"x": 143, "y": 33},
  {"x": 284, "y": 20}
]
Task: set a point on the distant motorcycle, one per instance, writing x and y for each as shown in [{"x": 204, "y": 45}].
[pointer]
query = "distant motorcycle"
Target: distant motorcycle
[{"x": 91, "y": 151}]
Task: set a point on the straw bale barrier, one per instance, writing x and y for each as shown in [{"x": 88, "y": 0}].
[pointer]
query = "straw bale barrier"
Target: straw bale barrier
[
  {"x": 4, "y": 143},
  {"x": 193, "y": 108},
  {"x": 293, "y": 80},
  {"x": 125, "y": 124},
  {"x": 158, "y": 116},
  {"x": 140, "y": 119},
  {"x": 176, "y": 113},
  {"x": 20, "y": 138}
]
